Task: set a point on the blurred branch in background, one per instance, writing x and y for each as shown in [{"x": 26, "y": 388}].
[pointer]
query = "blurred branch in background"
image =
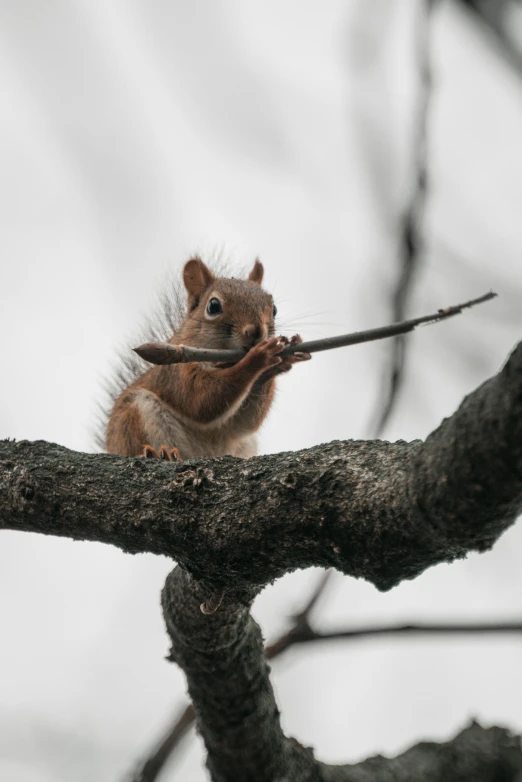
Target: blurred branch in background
[
  {"x": 302, "y": 632},
  {"x": 411, "y": 226},
  {"x": 149, "y": 770},
  {"x": 502, "y": 20}
]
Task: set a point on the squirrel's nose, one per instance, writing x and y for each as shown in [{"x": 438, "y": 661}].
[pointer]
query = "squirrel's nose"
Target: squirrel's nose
[{"x": 252, "y": 334}]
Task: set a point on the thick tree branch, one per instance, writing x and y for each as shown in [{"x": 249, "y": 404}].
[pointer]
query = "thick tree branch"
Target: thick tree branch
[
  {"x": 149, "y": 769},
  {"x": 374, "y": 510},
  {"x": 302, "y": 633},
  {"x": 228, "y": 681}
]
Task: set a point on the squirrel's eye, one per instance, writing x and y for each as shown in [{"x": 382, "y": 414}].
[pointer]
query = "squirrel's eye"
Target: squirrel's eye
[
  {"x": 214, "y": 307},
  {"x": 274, "y": 311}
]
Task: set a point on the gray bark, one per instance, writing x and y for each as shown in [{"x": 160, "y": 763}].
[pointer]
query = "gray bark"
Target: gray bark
[
  {"x": 237, "y": 716},
  {"x": 374, "y": 510},
  {"x": 381, "y": 511}
]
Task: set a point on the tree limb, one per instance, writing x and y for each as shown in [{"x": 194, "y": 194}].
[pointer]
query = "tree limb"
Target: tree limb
[
  {"x": 374, "y": 510},
  {"x": 149, "y": 769},
  {"x": 298, "y": 635},
  {"x": 228, "y": 681}
]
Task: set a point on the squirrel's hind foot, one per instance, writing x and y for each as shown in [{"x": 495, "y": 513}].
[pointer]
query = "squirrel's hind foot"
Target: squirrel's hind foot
[{"x": 165, "y": 453}]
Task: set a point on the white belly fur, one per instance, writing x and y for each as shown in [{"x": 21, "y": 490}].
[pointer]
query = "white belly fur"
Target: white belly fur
[{"x": 161, "y": 427}]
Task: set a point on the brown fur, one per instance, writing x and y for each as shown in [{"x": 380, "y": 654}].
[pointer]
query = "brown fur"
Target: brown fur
[{"x": 204, "y": 409}]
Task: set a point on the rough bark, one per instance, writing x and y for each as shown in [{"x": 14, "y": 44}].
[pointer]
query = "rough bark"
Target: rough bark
[
  {"x": 381, "y": 511},
  {"x": 374, "y": 510},
  {"x": 228, "y": 681}
]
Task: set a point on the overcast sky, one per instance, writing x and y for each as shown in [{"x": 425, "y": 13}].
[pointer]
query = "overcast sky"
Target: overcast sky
[{"x": 135, "y": 133}]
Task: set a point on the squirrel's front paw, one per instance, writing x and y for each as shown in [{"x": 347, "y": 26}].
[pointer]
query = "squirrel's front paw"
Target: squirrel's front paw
[
  {"x": 285, "y": 363},
  {"x": 264, "y": 355},
  {"x": 298, "y": 356}
]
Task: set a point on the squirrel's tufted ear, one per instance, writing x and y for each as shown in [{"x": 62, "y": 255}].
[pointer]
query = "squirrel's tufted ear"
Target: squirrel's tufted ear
[
  {"x": 197, "y": 278},
  {"x": 256, "y": 275}
]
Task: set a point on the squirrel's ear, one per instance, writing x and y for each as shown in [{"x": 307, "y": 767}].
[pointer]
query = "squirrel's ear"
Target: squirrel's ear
[
  {"x": 197, "y": 278},
  {"x": 256, "y": 275}
]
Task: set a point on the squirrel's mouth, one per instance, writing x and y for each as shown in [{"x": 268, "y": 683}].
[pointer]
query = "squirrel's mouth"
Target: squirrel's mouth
[{"x": 234, "y": 342}]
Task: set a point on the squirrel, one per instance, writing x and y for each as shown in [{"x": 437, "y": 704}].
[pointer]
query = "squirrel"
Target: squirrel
[{"x": 180, "y": 411}]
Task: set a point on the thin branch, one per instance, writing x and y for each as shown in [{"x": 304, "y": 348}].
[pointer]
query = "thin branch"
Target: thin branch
[
  {"x": 495, "y": 19},
  {"x": 165, "y": 353},
  {"x": 411, "y": 237},
  {"x": 311, "y": 636},
  {"x": 149, "y": 770},
  {"x": 303, "y": 616}
]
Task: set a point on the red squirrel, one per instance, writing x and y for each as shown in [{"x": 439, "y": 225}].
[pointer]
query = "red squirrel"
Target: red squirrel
[{"x": 181, "y": 411}]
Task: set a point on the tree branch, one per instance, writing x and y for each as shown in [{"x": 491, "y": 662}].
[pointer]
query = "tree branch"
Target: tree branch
[
  {"x": 497, "y": 22},
  {"x": 302, "y": 633},
  {"x": 148, "y": 770},
  {"x": 228, "y": 681},
  {"x": 374, "y": 510}
]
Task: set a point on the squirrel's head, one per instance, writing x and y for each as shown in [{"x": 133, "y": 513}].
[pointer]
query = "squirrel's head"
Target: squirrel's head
[{"x": 226, "y": 312}]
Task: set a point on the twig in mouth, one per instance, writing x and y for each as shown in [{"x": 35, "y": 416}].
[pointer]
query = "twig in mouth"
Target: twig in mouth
[{"x": 165, "y": 353}]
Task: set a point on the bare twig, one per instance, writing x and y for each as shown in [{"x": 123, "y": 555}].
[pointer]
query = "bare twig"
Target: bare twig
[
  {"x": 410, "y": 238},
  {"x": 301, "y": 627},
  {"x": 149, "y": 770},
  {"x": 164, "y": 353},
  {"x": 309, "y": 636}
]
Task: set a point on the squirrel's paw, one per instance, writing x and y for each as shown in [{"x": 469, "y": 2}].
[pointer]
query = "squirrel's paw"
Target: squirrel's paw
[
  {"x": 286, "y": 363},
  {"x": 297, "y": 357},
  {"x": 264, "y": 355},
  {"x": 165, "y": 453}
]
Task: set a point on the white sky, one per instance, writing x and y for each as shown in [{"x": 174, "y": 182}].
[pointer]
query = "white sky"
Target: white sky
[{"x": 134, "y": 133}]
